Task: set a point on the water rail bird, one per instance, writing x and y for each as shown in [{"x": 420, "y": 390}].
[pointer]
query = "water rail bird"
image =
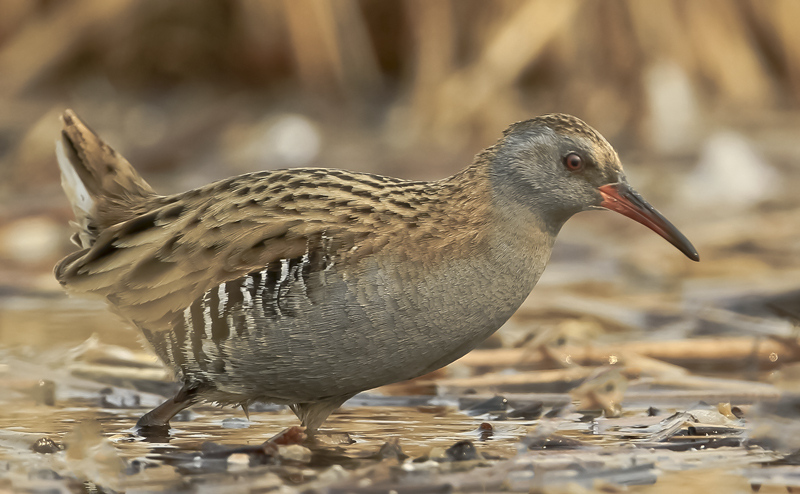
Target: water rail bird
[{"x": 306, "y": 286}]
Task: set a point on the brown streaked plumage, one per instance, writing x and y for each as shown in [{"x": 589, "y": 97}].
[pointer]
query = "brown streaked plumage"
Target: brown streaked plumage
[{"x": 306, "y": 286}]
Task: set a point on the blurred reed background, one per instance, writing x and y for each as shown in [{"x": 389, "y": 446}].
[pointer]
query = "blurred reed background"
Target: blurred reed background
[{"x": 693, "y": 93}]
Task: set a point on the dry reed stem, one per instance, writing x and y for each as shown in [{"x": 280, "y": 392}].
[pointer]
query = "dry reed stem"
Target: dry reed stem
[
  {"x": 317, "y": 55},
  {"x": 47, "y": 41},
  {"x": 725, "y": 51},
  {"x": 706, "y": 350},
  {"x": 517, "y": 43}
]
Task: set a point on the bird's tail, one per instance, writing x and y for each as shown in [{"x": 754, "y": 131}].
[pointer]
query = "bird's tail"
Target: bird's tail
[{"x": 102, "y": 187}]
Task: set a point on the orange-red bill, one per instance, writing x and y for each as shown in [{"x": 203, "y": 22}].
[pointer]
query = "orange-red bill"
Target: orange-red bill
[{"x": 620, "y": 197}]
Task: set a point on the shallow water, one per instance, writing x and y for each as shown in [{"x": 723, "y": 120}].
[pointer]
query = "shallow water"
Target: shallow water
[
  {"x": 369, "y": 428},
  {"x": 420, "y": 431}
]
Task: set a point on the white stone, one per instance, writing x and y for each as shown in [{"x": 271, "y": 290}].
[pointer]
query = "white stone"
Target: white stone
[
  {"x": 31, "y": 239},
  {"x": 730, "y": 176},
  {"x": 295, "y": 452},
  {"x": 674, "y": 119}
]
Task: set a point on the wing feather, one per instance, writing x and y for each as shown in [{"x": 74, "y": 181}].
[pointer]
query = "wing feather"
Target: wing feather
[{"x": 153, "y": 266}]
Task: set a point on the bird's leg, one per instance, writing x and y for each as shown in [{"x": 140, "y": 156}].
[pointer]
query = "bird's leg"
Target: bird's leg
[
  {"x": 313, "y": 415},
  {"x": 161, "y": 415}
]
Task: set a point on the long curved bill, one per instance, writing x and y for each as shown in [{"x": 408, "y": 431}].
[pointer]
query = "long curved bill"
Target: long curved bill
[{"x": 620, "y": 197}]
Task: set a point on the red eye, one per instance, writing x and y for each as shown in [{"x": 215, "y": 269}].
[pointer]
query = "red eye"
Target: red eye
[{"x": 573, "y": 162}]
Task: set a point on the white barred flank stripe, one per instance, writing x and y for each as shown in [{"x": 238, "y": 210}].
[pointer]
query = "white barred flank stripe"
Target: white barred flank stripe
[
  {"x": 260, "y": 293},
  {"x": 168, "y": 348},
  {"x": 261, "y": 300},
  {"x": 247, "y": 303},
  {"x": 223, "y": 299},
  {"x": 189, "y": 323},
  {"x": 207, "y": 314},
  {"x": 284, "y": 271}
]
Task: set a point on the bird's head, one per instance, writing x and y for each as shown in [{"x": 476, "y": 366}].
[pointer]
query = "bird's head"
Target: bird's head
[{"x": 557, "y": 165}]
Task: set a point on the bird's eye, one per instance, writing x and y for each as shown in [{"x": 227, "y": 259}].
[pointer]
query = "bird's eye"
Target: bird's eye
[{"x": 573, "y": 162}]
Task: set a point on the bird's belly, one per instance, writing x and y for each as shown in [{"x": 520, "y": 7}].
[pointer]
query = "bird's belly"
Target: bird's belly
[{"x": 291, "y": 336}]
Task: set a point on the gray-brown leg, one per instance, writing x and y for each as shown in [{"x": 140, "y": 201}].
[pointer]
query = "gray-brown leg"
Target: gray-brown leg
[
  {"x": 313, "y": 415},
  {"x": 161, "y": 415}
]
